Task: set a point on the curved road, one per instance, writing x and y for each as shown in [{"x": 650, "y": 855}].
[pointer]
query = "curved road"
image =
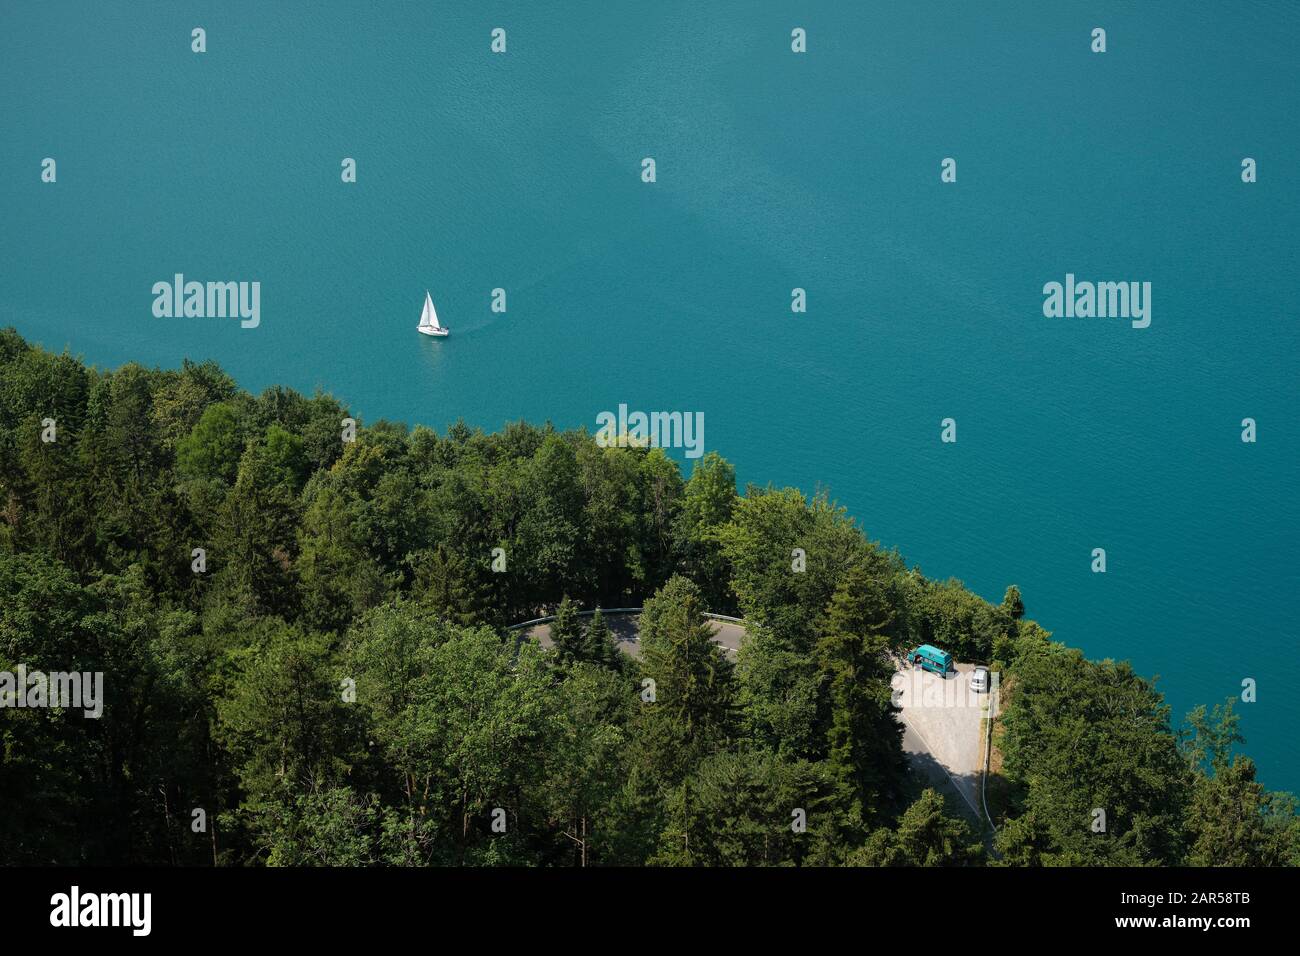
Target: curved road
[{"x": 625, "y": 631}]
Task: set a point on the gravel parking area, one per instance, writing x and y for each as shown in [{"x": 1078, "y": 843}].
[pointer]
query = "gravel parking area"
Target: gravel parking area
[{"x": 943, "y": 736}]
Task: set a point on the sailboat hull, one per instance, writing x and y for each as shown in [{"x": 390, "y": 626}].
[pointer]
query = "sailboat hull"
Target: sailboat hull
[{"x": 438, "y": 332}]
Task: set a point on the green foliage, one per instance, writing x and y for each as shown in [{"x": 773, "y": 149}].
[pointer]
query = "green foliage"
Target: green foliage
[
  {"x": 1232, "y": 820},
  {"x": 1083, "y": 737},
  {"x": 109, "y": 789},
  {"x": 758, "y": 543},
  {"x": 574, "y": 642},
  {"x": 335, "y": 686},
  {"x": 256, "y": 539},
  {"x": 783, "y": 682},
  {"x": 926, "y": 835},
  {"x": 707, "y": 506},
  {"x": 588, "y": 764},
  {"x": 454, "y": 585},
  {"x": 286, "y": 456},
  {"x": 949, "y": 616},
  {"x": 692, "y": 714},
  {"x": 283, "y": 721},
  {"x": 864, "y": 739},
  {"x": 1208, "y": 739},
  {"x": 1013, "y": 604},
  {"x": 338, "y": 578},
  {"x": 598, "y": 646},
  {"x": 567, "y": 631},
  {"x": 742, "y": 809},
  {"x": 212, "y": 449},
  {"x": 782, "y": 696}
]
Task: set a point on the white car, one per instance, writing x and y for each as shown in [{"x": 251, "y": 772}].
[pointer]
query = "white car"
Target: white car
[{"x": 979, "y": 679}]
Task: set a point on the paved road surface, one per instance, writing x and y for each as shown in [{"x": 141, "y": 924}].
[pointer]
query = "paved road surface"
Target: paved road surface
[{"x": 624, "y": 628}]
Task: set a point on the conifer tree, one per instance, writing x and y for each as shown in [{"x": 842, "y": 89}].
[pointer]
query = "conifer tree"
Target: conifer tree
[
  {"x": 692, "y": 712},
  {"x": 926, "y": 836},
  {"x": 864, "y": 739},
  {"x": 598, "y": 643},
  {"x": 1013, "y": 603},
  {"x": 566, "y": 632}
]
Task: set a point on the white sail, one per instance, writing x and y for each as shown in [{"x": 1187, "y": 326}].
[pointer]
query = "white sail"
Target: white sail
[{"x": 429, "y": 317}]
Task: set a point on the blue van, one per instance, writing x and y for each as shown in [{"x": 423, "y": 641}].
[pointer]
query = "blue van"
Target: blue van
[{"x": 930, "y": 658}]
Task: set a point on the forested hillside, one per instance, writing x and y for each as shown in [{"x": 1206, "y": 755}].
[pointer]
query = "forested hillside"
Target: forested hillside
[{"x": 304, "y": 636}]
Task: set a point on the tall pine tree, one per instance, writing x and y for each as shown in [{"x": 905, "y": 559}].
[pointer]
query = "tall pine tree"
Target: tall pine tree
[
  {"x": 566, "y": 632},
  {"x": 864, "y": 739},
  {"x": 691, "y": 714},
  {"x": 598, "y": 643}
]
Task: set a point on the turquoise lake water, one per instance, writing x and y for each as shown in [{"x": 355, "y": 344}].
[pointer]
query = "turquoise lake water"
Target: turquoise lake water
[{"x": 774, "y": 171}]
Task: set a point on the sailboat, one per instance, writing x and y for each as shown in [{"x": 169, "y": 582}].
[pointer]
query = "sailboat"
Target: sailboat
[{"x": 429, "y": 318}]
